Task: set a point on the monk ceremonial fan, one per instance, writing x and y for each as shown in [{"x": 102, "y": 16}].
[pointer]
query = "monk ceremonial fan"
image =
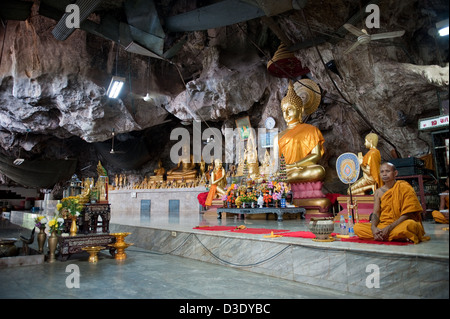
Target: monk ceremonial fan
[{"x": 397, "y": 211}]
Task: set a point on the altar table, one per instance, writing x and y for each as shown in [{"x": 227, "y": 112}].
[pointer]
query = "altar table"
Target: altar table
[
  {"x": 73, "y": 244},
  {"x": 265, "y": 210}
]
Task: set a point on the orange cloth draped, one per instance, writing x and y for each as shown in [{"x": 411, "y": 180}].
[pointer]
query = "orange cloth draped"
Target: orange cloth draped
[
  {"x": 400, "y": 199},
  {"x": 213, "y": 190},
  {"x": 438, "y": 216},
  {"x": 298, "y": 142},
  {"x": 373, "y": 159}
]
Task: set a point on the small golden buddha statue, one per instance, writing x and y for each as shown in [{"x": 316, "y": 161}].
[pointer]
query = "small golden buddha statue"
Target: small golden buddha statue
[
  {"x": 159, "y": 172},
  {"x": 252, "y": 156},
  {"x": 184, "y": 169},
  {"x": 218, "y": 182},
  {"x": 266, "y": 168},
  {"x": 301, "y": 143},
  {"x": 370, "y": 165}
]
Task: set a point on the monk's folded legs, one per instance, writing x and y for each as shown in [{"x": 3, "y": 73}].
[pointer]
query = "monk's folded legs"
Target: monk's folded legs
[{"x": 407, "y": 230}]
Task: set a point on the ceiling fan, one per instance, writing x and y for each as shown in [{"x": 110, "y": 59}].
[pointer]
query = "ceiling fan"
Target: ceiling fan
[
  {"x": 365, "y": 38},
  {"x": 112, "y": 151},
  {"x": 19, "y": 161}
]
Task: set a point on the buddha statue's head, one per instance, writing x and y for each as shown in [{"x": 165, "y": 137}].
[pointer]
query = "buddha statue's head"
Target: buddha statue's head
[
  {"x": 217, "y": 164},
  {"x": 371, "y": 140},
  {"x": 292, "y": 106}
]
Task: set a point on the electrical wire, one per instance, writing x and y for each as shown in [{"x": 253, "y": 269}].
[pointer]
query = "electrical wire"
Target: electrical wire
[{"x": 216, "y": 256}]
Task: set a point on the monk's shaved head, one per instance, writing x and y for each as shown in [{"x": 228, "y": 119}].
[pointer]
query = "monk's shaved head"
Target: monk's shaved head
[{"x": 392, "y": 166}]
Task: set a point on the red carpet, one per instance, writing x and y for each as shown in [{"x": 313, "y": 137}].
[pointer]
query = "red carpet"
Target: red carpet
[
  {"x": 234, "y": 229},
  {"x": 298, "y": 234},
  {"x": 302, "y": 234},
  {"x": 216, "y": 228},
  {"x": 258, "y": 231}
]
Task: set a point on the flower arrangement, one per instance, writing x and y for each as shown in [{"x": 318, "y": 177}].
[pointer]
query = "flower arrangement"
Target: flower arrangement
[
  {"x": 242, "y": 189},
  {"x": 40, "y": 221},
  {"x": 70, "y": 205},
  {"x": 282, "y": 188},
  {"x": 55, "y": 225},
  {"x": 276, "y": 196},
  {"x": 267, "y": 199}
]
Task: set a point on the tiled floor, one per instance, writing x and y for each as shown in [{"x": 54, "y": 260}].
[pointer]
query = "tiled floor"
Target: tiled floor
[
  {"x": 145, "y": 274},
  {"x": 148, "y": 274}
]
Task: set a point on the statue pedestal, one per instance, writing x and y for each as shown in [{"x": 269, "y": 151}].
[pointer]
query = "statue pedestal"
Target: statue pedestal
[
  {"x": 364, "y": 206},
  {"x": 309, "y": 195}
]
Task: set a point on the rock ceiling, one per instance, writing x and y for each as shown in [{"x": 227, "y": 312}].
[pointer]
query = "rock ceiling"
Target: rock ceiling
[{"x": 53, "y": 102}]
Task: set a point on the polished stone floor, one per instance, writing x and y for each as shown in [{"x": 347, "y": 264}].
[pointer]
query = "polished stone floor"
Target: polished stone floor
[
  {"x": 148, "y": 274},
  {"x": 145, "y": 274}
]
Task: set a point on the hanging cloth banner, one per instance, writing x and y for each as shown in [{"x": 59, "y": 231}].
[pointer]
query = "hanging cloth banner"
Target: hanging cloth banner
[{"x": 39, "y": 174}]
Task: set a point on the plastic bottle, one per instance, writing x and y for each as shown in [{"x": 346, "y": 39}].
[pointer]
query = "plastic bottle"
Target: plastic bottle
[
  {"x": 343, "y": 226},
  {"x": 351, "y": 232}
]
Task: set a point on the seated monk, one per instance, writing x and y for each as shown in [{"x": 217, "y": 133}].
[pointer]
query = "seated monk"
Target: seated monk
[
  {"x": 159, "y": 173},
  {"x": 439, "y": 216},
  {"x": 397, "y": 211},
  {"x": 218, "y": 182},
  {"x": 184, "y": 169},
  {"x": 301, "y": 143},
  {"x": 370, "y": 165}
]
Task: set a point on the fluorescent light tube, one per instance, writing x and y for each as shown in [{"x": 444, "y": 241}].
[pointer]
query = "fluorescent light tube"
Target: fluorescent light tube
[
  {"x": 115, "y": 87},
  {"x": 442, "y": 27}
]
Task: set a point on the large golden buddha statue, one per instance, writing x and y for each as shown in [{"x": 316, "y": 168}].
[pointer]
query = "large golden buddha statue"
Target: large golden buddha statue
[
  {"x": 301, "y": 143},
  {"x": 370, "y": 165},
  {"x": 184, "y": 170}
]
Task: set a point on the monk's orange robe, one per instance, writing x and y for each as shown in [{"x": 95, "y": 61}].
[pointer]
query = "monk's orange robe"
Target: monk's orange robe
[
  {"x": 400, "y": 199},
  {"x": 373, "y": 159},
  {"x": 298, "y": 142},
  {"x": 213, "y": 190},
  {"x": 438, "y": 216}
]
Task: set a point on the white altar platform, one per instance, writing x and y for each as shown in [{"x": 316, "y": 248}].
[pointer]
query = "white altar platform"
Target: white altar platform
[
  {"x": 412, "y": 271},
  {"x": 145, "y": 203}
]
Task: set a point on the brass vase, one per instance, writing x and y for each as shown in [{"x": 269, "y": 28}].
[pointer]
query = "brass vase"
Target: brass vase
[
  {"x": 52, "y": 243},
  {"x": 41, "y": 237},
  {"x": 73, "y": 226}
]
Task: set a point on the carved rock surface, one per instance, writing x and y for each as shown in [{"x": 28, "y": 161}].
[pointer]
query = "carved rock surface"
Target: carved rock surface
[{"x": 56, "y": 90}]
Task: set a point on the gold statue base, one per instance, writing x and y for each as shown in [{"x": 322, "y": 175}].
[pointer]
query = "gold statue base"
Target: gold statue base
[{"x": 315, "y": 207}]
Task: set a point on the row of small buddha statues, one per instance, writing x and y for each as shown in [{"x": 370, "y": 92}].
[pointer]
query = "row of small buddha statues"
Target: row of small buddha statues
[
  {"x": 187, "y": 176},
  {"x": 300, "y": 144}
]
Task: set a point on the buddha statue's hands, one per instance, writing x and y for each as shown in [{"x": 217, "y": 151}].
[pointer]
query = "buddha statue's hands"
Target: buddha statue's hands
[
  {"x": 360, "y": 158},
  {"x": 296, "y": 166}
]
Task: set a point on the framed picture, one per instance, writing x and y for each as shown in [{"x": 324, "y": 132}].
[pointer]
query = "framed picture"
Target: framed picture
[{"x": 243, "y": 124}]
